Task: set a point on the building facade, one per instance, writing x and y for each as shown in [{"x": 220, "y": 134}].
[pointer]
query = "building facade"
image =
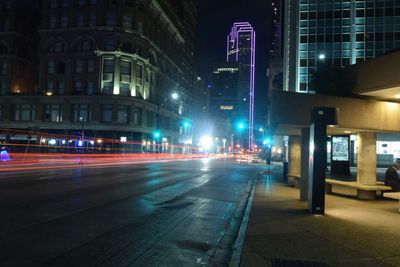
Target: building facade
[
  {"x": 340, "y": 33},
  {"x": 225, "y": 104},
  {"x": 111, "y": 67},
  {"x": 241, "y": 50}
]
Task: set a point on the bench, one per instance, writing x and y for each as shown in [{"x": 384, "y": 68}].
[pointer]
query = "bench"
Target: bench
[
  {"x": 355, "y": 189},
  {"x": 393, "y": 195}
]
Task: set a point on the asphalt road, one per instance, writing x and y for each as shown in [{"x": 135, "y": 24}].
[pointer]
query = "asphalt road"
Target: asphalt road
[{"x": 184, "y": 213}]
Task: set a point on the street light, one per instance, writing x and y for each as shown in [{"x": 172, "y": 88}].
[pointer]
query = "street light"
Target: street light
[
  {"x": 174, "y": 96},
  {"x": 157, "y": 134},
  {"x": 82, "y": 120}
]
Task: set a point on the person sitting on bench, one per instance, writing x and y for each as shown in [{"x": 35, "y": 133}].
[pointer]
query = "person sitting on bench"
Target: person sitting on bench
[{"x": 392, "y": 177}]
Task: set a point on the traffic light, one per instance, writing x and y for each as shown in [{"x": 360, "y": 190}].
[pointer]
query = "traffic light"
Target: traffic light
[
  {"x": 156, "y": 134},
  {"x": 267, "y": 141},
  {"x": 241, "y": 125}
]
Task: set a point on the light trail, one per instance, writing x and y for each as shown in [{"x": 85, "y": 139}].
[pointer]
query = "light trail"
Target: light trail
[{"x": 71, "y": 161}]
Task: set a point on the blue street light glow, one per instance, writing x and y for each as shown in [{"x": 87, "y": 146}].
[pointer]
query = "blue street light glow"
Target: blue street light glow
[
  {"x": 267, "y": 141},
  {"x": 4, "y": 156},
  {"x": 241, "y": 125},
  {"x": 157, "y": 134},
  {"x": 186, "y": 124}
]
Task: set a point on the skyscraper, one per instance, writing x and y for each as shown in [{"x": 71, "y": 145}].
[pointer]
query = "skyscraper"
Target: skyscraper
[
  {"x": 241, "y": 48},
  {"x": 336, "y": 32}
]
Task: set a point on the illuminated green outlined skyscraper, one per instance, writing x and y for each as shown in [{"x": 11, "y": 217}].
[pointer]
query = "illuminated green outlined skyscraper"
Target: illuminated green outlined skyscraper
[{"x": 338, "y": 32}]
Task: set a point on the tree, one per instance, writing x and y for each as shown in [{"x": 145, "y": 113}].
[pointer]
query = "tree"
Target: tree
[{"x": 332, "y": 80}]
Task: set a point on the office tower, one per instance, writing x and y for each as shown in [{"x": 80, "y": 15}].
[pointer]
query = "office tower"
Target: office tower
[
  {"x": 224, "y": 99},
  {"x": 241, "y": 49},
  {"x": 340, "y": 33}
]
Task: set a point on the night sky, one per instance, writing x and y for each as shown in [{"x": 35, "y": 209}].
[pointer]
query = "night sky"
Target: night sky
[{"x": 215, "y": 20}]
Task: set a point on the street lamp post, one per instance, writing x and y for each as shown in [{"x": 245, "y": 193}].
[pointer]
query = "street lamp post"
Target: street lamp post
[
  {"x": 82, "y": 120},
  {"x": 157, "y": 135}
]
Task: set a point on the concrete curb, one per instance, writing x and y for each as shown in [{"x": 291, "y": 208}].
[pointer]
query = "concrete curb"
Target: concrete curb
[{"x": 238, "y": 246}]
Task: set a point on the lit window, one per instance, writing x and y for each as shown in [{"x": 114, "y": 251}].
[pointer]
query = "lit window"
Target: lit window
[
  {"x": 25, "y": 112},
  {"x": 80, "y": 111},
  {"x": 53, "y": 113}
]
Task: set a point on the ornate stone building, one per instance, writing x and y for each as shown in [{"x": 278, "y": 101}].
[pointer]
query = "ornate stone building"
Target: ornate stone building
[{"x": 110, "y": 67}]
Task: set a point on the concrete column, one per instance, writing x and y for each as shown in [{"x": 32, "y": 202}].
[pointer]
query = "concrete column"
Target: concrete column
[
  {"x": 305, "y": 155},
  {"x": 294, "y": 160},
  {"x": 366, "y": 158}
]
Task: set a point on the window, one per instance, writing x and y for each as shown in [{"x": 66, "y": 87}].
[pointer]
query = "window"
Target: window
[
  {"x": 53, "y": 113},
  {"x": 61, "y": 68},
  {"x": 2, "y": 88},
  {"x": 107, "y": 112},
  {"x": 65, "y": 3},
  {"x": 52, "y": 22},
  {"x": 139, "y": 72},
  {"x": 64, "y": 21},
  {"x": 123, "y": 114},
  {"x": 61, "y": 88},
  {"x": 149, "y": 119},
  {"x": 58, "y": 47},
  {"x": 90, "y": 66},
  {"x": 127, "y": 22},
  {"x": 108, "y": 76},
  {"x": 80, "y": 111},
  {"x": 86, "y": 45},
  {"x": 3, "y": 68},
  {"x": 125, "y": 71},
  {"x": 80, "y": 21},
  {"x": 50, "y": 88},
  {"x": 3, "y": 48},
  {"x": 140, "y": 27},
  {"x": 110, "y": 45},
  {"x": 92, "y": 20},
  {"x": 111, "y": 19},
  {"x": 89, "y": 88},
  {"x": 78, "y": 87},
  {"x": 79, "y": 66},
  {"x": 24, "y": 112},
  {"x": 50, "y": 67},
  {"x": 53, "y": 3}
]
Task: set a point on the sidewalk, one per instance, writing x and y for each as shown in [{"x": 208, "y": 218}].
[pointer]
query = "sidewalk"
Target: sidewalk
[{"x": 353, "y": 232}]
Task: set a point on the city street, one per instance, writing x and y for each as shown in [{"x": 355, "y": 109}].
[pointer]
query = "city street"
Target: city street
[{"x": 180, "y": 213}]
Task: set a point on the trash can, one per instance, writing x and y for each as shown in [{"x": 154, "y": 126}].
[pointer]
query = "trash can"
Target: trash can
[{"x": 285, "y": 172}]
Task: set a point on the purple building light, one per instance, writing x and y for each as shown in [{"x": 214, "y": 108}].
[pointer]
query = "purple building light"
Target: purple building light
[{"x": 241, "y": 48}]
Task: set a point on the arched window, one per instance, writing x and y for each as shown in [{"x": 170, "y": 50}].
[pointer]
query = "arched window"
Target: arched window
[
  {"x": 86, "y": 45},
  {"x": 56, "y": 46}
]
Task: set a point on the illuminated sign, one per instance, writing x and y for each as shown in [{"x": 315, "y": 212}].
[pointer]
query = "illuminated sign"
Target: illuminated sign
[
  {"x": 226, "y": 107},
  {"x": 340, "y": 148}
]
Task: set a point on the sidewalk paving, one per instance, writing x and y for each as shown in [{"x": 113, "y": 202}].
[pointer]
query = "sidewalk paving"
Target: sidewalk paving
[{"x": 352, "y": 232}]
